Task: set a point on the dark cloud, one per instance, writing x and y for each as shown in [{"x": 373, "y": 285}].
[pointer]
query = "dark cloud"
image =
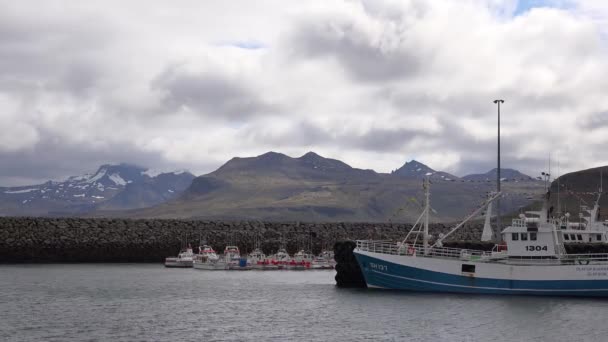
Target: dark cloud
[
  {"x": 54, "y": 158},
  {"x": 57, "y": 159},
  {"x": 301, "y": 133},
  {"x": 384, "y": 140},
  {"x": 306, "y": 133},
  {"x": 366, "y": 57},
  {"x": 209, "y": 93},
  {"x": 44, "y": 53},
  {"x": 595, "y": 121}
]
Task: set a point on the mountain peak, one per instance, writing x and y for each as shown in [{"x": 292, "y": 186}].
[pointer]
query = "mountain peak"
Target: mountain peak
[
  {"x": 413, "y": 168},
  {"x": 311, "y": 155},
  {"x": 416, "y": 169},
  {"x": 273, "y": 163},
  {"x": 505, "y": 174},
  {"x": 320, "y": 163},
  {"x": 272, "y": 155}
]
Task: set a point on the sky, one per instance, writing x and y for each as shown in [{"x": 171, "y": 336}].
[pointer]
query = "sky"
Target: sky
[{"x": 191, "y": 84}]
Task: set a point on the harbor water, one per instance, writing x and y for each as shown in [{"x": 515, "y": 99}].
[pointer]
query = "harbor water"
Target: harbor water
[{"x": 147, "y": 302}]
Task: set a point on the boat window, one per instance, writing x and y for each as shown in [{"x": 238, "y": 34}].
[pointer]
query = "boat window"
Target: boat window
[
  {"x": 566, "y": 237},
  {"x": 532, "y": 236},
  {"x": 579, "y": 237},
  {"x": 514, "y": 236},
  {"x": 524, "y": 236},
  {"x": 468, "y": 268},
  {"x": 572, "y": 237},
  {"x": 599, "y": 237}
]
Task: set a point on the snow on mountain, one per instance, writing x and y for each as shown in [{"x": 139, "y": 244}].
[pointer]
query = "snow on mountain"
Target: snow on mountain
[
  {"x": 20, "y": 191},
  {"x": 151, "y": 173},
  {"x": 85, "y": 193},
  {"x": 154, "y": 172},
  {"x": 115, "y": 177},
  {"x": 98, "y": 176}
]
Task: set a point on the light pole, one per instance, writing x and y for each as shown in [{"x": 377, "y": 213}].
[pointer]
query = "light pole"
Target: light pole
[{"x": 498, "y": 223}]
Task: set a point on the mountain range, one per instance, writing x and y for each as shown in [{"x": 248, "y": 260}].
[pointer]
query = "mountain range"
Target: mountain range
[
  {"x": 274, "y": 186},
  {"x": 112, "y": 187},
  {"x": 271, "y": 186}
]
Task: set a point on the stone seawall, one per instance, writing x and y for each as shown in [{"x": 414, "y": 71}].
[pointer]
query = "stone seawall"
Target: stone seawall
[{"x": 147, "y": 240}]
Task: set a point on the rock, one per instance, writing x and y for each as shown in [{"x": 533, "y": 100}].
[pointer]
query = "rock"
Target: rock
[{"x": 90, "y": 240}]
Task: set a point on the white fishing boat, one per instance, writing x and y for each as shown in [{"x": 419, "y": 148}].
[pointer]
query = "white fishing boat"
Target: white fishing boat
[
  {"x": 207, "y": 259},
  {"x": 183, "y": 260},
  {"x": 258, "y": 261},
  {"x": 325, "y": 260},
  {"x": 281, "y": 258},
  {"x": 232, "y": 257},
  {"x": 302, "y": 260},
  {"x": 533, "y": 262}
]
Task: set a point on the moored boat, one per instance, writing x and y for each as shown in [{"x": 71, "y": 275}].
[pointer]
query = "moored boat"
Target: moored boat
[
  {"x": 302, "y": 260},
  {"x": 183, "y": 260},
  {"x": 281, "y": 258},
  {"x": 258, "y": 261},
  {"x": 232, "y": 257},
  {"x": 325, "y": 260},
  {"x": 207, "y": 259},
  {"x": 533, "y": 261}
]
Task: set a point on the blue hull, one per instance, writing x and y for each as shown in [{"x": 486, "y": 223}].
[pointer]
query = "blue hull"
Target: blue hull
[{"x": 400, "y": 277}]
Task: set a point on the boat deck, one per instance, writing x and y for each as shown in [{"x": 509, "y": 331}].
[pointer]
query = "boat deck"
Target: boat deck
[{"x": 471, "y": 255}]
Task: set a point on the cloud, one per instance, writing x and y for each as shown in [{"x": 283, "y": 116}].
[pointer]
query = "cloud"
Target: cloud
[
  {"x": 372, "y": 83},
  {"x": 209, "y": 93},
  {"x": 369, "y": 43}
]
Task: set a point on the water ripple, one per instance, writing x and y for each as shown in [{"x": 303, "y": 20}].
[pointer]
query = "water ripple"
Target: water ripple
[{"x": 140, "y": 302}]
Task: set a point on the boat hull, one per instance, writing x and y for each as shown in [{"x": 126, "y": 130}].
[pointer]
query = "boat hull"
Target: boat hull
[
  {"x": 178, "y": 263},
  {"x": 446, "y": 275},
  {"x": 210, "y": 266},
  {"x": 240, "y": 268},
  {"x": 265, "y": 267}
]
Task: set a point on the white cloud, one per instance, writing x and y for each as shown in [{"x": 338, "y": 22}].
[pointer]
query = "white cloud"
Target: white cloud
[{"x": 372, "y": 83}]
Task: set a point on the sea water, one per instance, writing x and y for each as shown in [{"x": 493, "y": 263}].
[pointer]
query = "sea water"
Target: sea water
[{"x": 147, "y": 302}]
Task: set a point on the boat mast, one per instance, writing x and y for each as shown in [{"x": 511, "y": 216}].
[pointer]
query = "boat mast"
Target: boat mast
[
  {"x": 559, "y": 208},
  {"x": 498, "y": 223},
  {"x": 425, "y": 237}
]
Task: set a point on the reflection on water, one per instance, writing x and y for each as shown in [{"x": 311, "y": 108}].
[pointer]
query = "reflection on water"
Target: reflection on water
[{"x": 148, "y": 302}]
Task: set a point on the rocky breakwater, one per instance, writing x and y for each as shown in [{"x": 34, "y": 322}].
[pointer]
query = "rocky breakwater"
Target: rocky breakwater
[{"x": 25, "y": 239}]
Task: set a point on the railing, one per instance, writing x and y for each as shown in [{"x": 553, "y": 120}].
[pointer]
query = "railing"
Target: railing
[
  {"x": 518, "y": 223},
  {"x": 395, "y": 248}
]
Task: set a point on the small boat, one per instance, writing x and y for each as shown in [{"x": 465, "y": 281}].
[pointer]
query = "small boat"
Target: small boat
[
  {"x": 207, "y": 259},
  {"x": 183, "y": 260},
  {"x": 281, "y": 258},
  {"x": 301, "y": 261},
  {"x": 324, "y": 261},
  {"x": 258, "y": 261},
  {"x": 232, "y": 257}
]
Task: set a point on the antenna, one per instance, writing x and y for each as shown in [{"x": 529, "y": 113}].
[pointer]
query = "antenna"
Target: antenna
[
  {"x": 425, "y": 237},
  {"x": 559, "y": 210},
  {"x": 549, "y": 174}
]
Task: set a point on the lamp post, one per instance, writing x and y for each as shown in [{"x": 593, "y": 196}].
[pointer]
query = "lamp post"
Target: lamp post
[{"x": 498, "y": 223}]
